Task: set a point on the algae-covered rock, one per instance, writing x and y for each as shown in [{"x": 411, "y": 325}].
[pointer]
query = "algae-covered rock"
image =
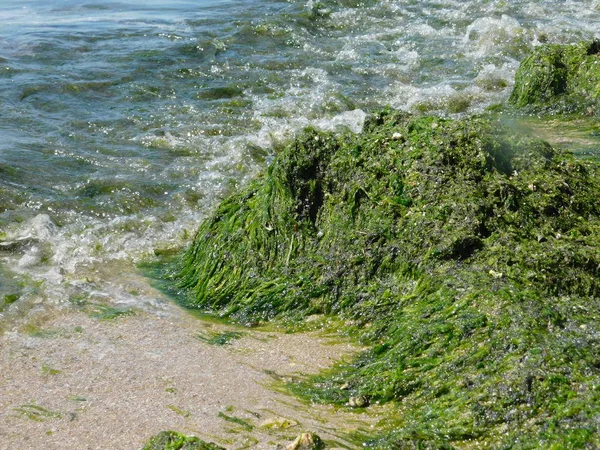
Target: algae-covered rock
[
  {"x": 307, "y": 441},
  {"x": 472, "y": 252},
  {"x": 559, "y": 79},
  {"x": 171, "y": 440},
  {"x": 360, "y": 401}
]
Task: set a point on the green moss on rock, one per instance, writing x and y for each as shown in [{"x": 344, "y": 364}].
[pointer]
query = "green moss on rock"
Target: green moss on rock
[
  {"x": 467, "y": 256},
  {"x": 559, "y": 79},
  {"x": 171, "y": 440}
]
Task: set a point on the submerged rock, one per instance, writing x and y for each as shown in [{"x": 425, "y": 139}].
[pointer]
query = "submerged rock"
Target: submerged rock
[
  {"x": 171, "y": 440},
  {"x": 560, "y": 79},
  {"x": 472, "y": 252}
]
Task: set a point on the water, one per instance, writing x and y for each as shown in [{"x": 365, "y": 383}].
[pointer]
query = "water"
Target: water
[{"x": 124, "y": 123}]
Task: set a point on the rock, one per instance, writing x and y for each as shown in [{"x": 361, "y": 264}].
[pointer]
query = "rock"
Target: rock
[{"x": 307, "y": 441}]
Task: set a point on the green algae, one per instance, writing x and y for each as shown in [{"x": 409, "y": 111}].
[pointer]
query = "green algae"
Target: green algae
[
  {"x": 562, "y": 79},
  {"x": 241, "y": 422},
  {"x": 221, "y": 338},
  {"x": 9, "y": 299},
  {"x": 217, "y": 93},
  {"x": 107, "y": 312},
  {"x": 47, "y": 370},
  {"x": 179, "y": 411},
  {"x": 172, "y": 440},
  {"x": 45, "y": 333},
  {"x": 37, "y": 413},
  {"x": 278, "y": 423},
  {"x": 465, "y": 254}
]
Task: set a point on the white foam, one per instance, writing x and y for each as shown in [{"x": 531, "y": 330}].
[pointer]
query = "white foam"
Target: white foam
[
  {"x": 32, "y": 257},
  {"x": 491, "y": 36},
  {"x": 39, "y": 228},
  {"x": 352, "y": 120},
  {"x": 490, "y": 73}
]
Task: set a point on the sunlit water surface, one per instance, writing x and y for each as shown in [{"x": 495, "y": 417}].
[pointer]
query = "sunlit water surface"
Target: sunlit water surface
[{"x": 123, "y": 123}]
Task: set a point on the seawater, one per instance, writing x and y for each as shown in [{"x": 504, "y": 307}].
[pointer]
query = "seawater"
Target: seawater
[{"x": 122, "y": 124}]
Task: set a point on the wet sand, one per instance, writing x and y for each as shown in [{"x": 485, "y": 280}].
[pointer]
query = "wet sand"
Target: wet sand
[{"x": 78, "y": 382}]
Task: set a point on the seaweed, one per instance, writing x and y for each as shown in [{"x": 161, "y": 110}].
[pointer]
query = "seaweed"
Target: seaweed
[
  {"x": 172, "y": 440},
  {"x": 466, "y": 255},
  {"x": 47, "y": 370},
  {"x": 559, "y": 79},
  {"x": 179, "y": 411},
  {"x": 106, "y": 312},
  {"x": 37, "y": 413},
  {"x": 236, "y": 420},
  {"x": 221, "y": 338}
]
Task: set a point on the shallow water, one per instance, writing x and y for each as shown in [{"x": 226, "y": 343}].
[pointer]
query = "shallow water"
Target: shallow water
[{"x": 124, "y": 123}]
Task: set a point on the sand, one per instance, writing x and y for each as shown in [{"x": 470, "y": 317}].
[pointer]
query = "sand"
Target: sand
[{"x": 78, "y": 382}]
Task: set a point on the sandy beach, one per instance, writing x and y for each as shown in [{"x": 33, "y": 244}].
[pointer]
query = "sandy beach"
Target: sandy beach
[{"x": 78, "y": 382}]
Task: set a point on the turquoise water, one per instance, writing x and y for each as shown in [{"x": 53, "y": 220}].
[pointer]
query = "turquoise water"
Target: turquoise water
[{"x": 124, "y": 123}]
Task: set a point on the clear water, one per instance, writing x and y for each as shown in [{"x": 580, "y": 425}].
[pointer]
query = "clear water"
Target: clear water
[{"x": 123, "y": 123}]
